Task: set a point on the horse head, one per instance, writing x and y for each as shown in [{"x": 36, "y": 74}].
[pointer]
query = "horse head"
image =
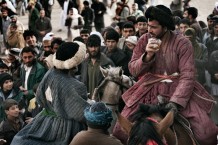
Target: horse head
[
  {"x": 149, "y": 125},
  {"x": 113, "y": 85}
]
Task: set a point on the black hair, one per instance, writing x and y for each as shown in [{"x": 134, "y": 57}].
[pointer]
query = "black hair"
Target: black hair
[
  {"x": 192, "y": 11},
  {"x": 132, "y": 19},
  {"x": 184, "y": 21},
  {"x": 78, "y": 38},
  {"x": 29, "y": 33},
  {"x": 141, "y": 19},
  {"x": 210, "y": 17},
  {"x": 128, "y": 25},
  {"x": 112, "y": 35},
  {"x": 28, "y": 49},
  {"x": 58, "y": 41},
  {"x": 93, "y": 40},
  {"x": 84, "y": 31}
]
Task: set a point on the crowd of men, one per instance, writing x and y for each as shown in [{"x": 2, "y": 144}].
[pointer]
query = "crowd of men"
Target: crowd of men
[{"x": 30, "y": 55}]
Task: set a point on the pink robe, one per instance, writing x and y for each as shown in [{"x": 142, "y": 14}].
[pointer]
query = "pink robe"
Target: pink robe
[{"x": 175, "y": 55}]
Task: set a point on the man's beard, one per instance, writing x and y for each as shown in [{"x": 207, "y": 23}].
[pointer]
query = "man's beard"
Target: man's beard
[
  {"x": 95, "y": 55},
  {"x": 47, "y": 53}
]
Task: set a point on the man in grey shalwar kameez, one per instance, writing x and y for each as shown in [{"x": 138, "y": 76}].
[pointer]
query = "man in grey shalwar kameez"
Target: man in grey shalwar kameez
[{"x": 63, "y": 99}]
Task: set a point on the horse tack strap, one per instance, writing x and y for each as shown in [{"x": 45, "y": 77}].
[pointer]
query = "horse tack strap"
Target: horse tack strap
[{"x": 152, "y": 119}]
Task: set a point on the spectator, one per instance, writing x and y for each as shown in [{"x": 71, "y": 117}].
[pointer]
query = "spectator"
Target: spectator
[
  {"x": 8, "y": 91},
  {"x": 14, "y": 37},
  {"x": 98, "y": 118},
  {"x": 91, "y": 75},
  {"x": 88, "y": 16},
  {"x": 42, "y": 25},
  {"x": 99, "y": 11},
  {"x": 13, "y": 124}
]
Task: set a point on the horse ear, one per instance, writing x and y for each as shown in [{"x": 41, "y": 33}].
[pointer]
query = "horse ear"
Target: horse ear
[
  {"x": 166, "y": 122},
  {"x": 121, "y": 71},
  {"x": 104, "y": 71},
  {"x": 125, "y": 124}
]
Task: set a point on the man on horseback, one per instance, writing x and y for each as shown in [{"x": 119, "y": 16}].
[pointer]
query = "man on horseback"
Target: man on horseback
[{"x": 163, "y": 61}]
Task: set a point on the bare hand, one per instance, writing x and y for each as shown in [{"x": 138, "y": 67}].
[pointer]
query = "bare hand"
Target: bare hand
[{"x": 28, "y": 119}]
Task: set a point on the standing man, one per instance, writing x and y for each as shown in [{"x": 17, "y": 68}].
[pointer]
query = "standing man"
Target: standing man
[
  {"x": 4, "y": 24},
  {"x": 172, "y": 60},
  {"x": 88, "y": 16},
  {"x": 63, "y": 98},
  {"x": 191, "y": 13},
  {"x": 99, "y": 11},
  {"x": 33, "y": 15},
  {"x": 111, "y": 50},
  {"x": 43, "y": 25},
  {"x": 67, "y": 5},
  {"x": 47, "y": 5},
  {"x": 91, "y": 75}
]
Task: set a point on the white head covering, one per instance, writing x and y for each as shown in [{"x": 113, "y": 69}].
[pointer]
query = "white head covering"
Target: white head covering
[
  {"x": 132, "y": 39},
  {"x": 216, "y": 6}
]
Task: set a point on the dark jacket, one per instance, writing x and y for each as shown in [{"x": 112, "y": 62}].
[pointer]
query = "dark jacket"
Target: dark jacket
[
  {"x": 104, "y": 62},
  {"x": 213, "y": 66},
  {"x": 36, "y": 74},
  {"x": 8, "y": 131},
  {"x": 43, "y": 24},
  {"x": 119, "y": 58}
]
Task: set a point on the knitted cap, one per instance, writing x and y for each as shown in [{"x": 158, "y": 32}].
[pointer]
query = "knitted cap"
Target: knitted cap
[
  {"x": 98, "y": 115},
  {"x": 4, "y": 77}
]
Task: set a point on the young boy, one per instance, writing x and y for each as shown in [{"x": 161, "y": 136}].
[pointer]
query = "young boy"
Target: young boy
[{"x": 12, "y": 124}]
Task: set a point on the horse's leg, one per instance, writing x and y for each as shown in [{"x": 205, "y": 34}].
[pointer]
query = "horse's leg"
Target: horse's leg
[{"x": 113, "y": 122}]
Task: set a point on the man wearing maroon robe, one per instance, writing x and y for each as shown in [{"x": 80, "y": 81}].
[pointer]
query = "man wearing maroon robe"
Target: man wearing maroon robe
[{"x": 168, "y": 71}]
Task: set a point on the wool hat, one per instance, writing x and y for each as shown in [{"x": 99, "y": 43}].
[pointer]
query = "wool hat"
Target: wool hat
[
  {"x": 4, "y": 77},
  {"x": 132, "y": 39},
  {"x": 162, "y": 14},
  {"x": 69, "y": 55},
  {"x": 98, "y": 115},
  {"x": 3, "y": 65}
]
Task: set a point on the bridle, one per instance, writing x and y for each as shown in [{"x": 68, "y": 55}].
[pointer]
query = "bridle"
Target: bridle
[{"x": 118, "y": 81}]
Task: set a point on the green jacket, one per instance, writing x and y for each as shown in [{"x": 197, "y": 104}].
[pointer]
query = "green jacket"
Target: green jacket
[{"x": 36, "y": 74}]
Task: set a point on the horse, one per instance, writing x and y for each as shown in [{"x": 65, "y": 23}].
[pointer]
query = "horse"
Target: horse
[
  {"x": 156, "y": 125},
  {"x": 115, "y": 83}
]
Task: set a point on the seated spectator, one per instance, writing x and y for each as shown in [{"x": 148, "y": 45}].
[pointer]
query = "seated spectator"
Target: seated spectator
[
  {"x": 48, "y": 61},
  {"x": 3, "y": 67},
  {"x": 8, "y": 91},
  {"x": 98, "y": 118},
  {"x": 14, "y": 37},
  {"x": 13, "y": 123}
]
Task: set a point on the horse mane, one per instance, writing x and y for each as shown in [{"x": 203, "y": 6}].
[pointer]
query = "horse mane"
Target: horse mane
[
  {"x": 143, "y": 129},
  {"x": 145, "y": 110}
]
